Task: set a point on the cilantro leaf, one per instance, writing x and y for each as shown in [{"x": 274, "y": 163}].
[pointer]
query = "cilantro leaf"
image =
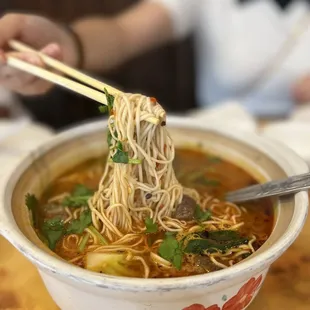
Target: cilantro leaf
[
  {"x": 110, "y": 99},
  {"x": 31, "y": 201},
  {"x": 103, "y": 109},
  {"x": 177, "y": 259},
  {"x": 79, "y": 197},
  {"x": 151, "y": 227},
  {"x": 82, "y": 190},
  {"x": 119, "y": 146},
  {"x": 75, "y": 202},
  {"x": 32, "y": 204},
  {"x": 171, "y": 250},
  {"x": 53, "y": 230},
  {"x": 77, "y": 226},
  {"x": 120, "y": 157},
  {"x": 202, "y": 216}
]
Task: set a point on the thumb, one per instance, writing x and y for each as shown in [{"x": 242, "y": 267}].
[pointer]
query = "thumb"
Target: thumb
[{"x": 53, "y": 50}]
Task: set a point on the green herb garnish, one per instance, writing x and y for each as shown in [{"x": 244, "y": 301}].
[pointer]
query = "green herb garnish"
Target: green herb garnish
[
  {"x": 198, "y": 246},
  {"x": 53, "y": 230},
  {"x": 215, "y": 241},
  {"x": 82, "y": 190},
  {"x": 79, "y": 197},
  {"x": 109, "y": 138},
  {"x": 83, "y": 243},
  {"x": 202, "y": 216},
  {"x": 110, "y": 100},
  {"x": 224, "y": 235},
  {"x": 120, "y": 157},
  {"x": 171, "y": 250},
  {"x": 151, "y": 227},
  {"x": 134, "y": 161},
  {"x": 98, "y": 235},
  {"x": 103, "y": 109},
  {"x": 77, "y": 226},
  {"x": 32, "y": 205},
  {"x": 75, "y": 202}
]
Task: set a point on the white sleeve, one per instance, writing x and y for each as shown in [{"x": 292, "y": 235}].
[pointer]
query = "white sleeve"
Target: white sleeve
[{"x": 183, "y": 15}]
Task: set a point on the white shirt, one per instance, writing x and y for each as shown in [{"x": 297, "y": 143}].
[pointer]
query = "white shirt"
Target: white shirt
[{"x": 236, "y": 42}]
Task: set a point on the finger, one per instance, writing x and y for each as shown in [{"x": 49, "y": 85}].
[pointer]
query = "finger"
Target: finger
[
  {"x": 11, "y": 26},
  {"x": 40, "y": 86},
  {"x": 13, "y": 78},
  {"x": 25, "y": 83},
  {"x": 37, "y": 87},
  {"x": 53, "y": 50}
]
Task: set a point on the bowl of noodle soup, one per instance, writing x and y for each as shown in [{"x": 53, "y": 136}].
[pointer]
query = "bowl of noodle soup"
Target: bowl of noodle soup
[{"x": 105, "y": 227}]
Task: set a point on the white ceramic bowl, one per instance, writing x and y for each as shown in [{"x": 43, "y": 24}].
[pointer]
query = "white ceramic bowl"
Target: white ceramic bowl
[{"x": 73, "y": 288}]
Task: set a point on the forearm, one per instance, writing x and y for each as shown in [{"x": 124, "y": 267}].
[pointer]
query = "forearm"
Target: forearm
[{"x": 108, "y": 42}]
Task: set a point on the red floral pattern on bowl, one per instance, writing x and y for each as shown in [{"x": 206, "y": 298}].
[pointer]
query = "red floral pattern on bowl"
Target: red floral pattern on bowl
[
  {"x": 201, "y": 307},
  {"x": 238, "y": 302},
  {"x": 244, "y": 296}
]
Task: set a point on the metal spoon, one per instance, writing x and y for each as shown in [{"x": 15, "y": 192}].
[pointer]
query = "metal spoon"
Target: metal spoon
[{"x": 283, "y": 187}]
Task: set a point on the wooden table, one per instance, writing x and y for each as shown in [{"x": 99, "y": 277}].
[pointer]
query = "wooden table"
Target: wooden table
[{"x": 287, "y": 286}]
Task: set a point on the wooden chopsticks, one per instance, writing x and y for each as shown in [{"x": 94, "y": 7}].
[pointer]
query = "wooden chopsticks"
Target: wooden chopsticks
[
  {"x": 95, "y": 92},
  {"x": 42, "y": 73},
  {"x": 57, "y": 79}
]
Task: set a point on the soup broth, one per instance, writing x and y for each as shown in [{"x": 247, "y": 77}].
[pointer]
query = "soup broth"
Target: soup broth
[{"x": 243, "y": 230}]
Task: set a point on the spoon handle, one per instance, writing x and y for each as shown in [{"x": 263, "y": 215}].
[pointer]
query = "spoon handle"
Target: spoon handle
[{"x": 287, "y": 186}]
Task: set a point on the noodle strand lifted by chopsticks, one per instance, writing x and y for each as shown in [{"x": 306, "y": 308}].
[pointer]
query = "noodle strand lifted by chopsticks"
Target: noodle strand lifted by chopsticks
[{"x": 128, "y": 194}]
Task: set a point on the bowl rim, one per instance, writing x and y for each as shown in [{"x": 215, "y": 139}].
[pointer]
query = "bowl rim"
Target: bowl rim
[{"x": 290, "y": 162}]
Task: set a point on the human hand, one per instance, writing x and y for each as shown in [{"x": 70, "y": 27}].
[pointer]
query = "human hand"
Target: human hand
[
  {"x": 40, "y": 33},
  {"x": 301, "y": 90}
]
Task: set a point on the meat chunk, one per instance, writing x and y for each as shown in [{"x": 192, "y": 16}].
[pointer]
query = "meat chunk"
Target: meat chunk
[
  {"x": 205, "y": 263},
  {"x": 52, "y": 210},
  {"x": 186, "y": 209}
]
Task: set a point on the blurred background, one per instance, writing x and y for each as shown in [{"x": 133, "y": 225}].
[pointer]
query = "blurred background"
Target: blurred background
[{"x": 166, "y": 73}]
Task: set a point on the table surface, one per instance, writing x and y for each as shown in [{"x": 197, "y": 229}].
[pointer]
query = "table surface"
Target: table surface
[{"x": 287, "y": 285}]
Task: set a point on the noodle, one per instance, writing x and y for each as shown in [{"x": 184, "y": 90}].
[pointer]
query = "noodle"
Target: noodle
[
  {"x": 121, "y": 197},
  {"x": 139, "y": 183}
]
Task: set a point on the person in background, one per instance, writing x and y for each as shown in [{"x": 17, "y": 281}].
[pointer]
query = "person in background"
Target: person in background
[{"x": 256, "y": 52}]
